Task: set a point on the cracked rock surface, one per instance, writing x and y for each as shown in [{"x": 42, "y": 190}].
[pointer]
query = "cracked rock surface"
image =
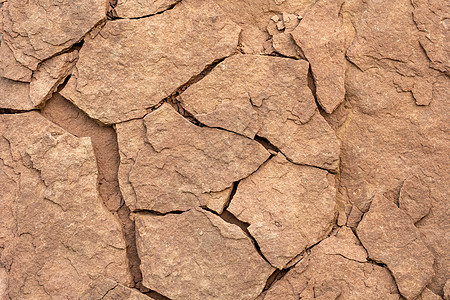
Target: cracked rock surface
[{"x": 224, "y": 149}]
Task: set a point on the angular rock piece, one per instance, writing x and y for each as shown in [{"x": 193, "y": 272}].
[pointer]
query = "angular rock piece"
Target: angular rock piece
[
  {"x": 432, "y": 20},
  {"x": 15, "y": 95},
  {"x": 288, "y": 207},
  {"x": 10, "y": 68},
  {"x": 49, "y": 75},
  {"x": 269, "y": 97},
  {"x": 36, "y": 30},
  {"x": 55, "y": 234},
  {"x": 197, "y": 255},
  {"x": 322, "y": 41},
  {"x": 107, "y": 289},
  {"x": 335, "y": 269},
  {"x": 132, "y": 65},
  {"x": 139, "y": 8},
  {"x": 414, "y": 198},
  {"x": 389, "y": 236},
  {"x": 185, "y": 166}
]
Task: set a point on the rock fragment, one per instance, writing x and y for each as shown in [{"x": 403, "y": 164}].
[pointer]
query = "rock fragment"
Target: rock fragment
[
  {"x": 414, "y": 198},
  {"x": 288, "y": 207},
  {"x": 390, "y": 237},
  {"x": 197, "y": 255},
  {"x": 184, "y": 166},
  {"x": 335, "y": 269},
  {"x": 10, "y": 68},
  {"x": 268, "y": 97},
  {"x": 432, "y": 20},
  {"x": 36, "y": 31},
  {"x": 137, "y": 9},
  {"x": 56, "y": 234},
  {"x": 49, "y": 75},
  {"x": 14, "y": 95},
  {"x": 322, "y": 40},
  {"x": 149, "y": 57}
]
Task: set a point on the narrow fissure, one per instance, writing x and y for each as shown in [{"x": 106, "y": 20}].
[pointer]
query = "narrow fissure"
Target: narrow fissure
[
  {"x": 104, "y": 142},
  {"x": 157, "y": 213},
  {"x": 231, "y": 219},
  {"x": 112, "y": 14},
  {"x": 8, "y": 111}
]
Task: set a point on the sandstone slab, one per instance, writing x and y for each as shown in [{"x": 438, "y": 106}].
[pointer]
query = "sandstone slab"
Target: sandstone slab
[
  {"x": 197, "y": 255},
  {"x": 390, "y": 237},
  {"x": 322, "y": 41},
  {"x": 56, "y": 234},
  {"x": 137, "y": 8},
  {"x": 268, "y": 97},
  {"x": 414, "y": 198},
  {"x": 432, "y": 20},
  {"x": 335, "y": 269},
  {"x": 131, "y": 65},
  {"x": 288, "y": 207},
  {"x": 183, "y": 166},
  {"x": 14, "y": 95},
  {"x": 49, "y": 75},
  {"x": 36, "y": 30},
  {"x": 10, "y": 68}
]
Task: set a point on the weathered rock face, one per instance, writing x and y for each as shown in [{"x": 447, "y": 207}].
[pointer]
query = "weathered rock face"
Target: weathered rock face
[
  {"x": 182, "y": 166},
  {"x": 53, "y": 221},
  {"x": 269, "y": 97},
  {"x": 288, "y": 207},
  {"x": 335, "y": 269},
  {"x": 36, "y": 30},
  {"x": 197, "y": 255},
  {"x": 137, "y": 8},
  {"x": 390, "y": 237},
  {"x": 151, "y": 57},
  {"x": 322, "y": 41},
  {"x": 224, "y": 149}
]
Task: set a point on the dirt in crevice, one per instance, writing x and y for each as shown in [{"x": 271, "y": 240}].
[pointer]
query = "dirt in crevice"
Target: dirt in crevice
[{"x": 104, "y": 142}]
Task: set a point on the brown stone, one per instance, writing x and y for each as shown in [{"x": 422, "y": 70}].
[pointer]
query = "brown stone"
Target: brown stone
[
  {"x": 131, "y": 65},
  {"x": 106, "y": 289},
  {"x": 335, "y": 269},
  {"x": 182, "y": 165},
  {"x": 390, "y": 237},
  {"x": 253, "y": 15},
  {"x": 137, "y": 8},
  {"x": 49, "y": 75},
  {"x": 414, "y": 198},
  {"x": 288, "y": 207},
  {"x": 432, "y": 20},
  {"x": 10, "y": 68},
  {"x": 14, "y": 95},
  {"x": 197, "y": 255},
  {"x": 36, "y": 31},
  {"x": 322, "y": 40},
  {"x": 55, "y": 234},
  {"x": 269, "y": 97},
  {"x": 427, "y": 294}
]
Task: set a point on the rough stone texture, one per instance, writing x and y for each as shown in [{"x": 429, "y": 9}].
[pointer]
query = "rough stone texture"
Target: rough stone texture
[
  {"x": 414, "y": 198},
  {"x": 151, "y": 57},
  {"x": 10, "y": 68},
  {"x": 253, "y": 15},
  {"x": 390, "y": 237},
  {"x": 139, "y": 8},
  {"x": 197, "y": 255},
  {"x": 335, "y": 269},
  {"x": 432, "y": 20},
  {"x": 14, "y": 95},
  {"x": 269, "y": 97},
  {"x": 53, "y": 221},
  {"x": 184, "y": 166},
  {"x": 214, "y": 106},
  {"x": 288, "y": 207},
  {"x": 385, "y": 137},
  {"x": 49, "y": 75},
  {"x": 37, "y": 30},
  {"x": 322, "y": 40}
]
